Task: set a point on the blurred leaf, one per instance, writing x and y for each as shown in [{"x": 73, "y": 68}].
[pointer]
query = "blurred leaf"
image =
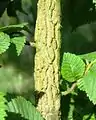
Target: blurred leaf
[
  {"x": 3, "y": 107},
  {"x": 89, "y": 117},
  {"x": 14, "y": 28},
  {"x": 4, "y": 42},
  {"x": 11, "y": 11},
  {"x": 13, "y": 6},
  {"x": 14, "y": 80},
  {"x": 3, "y": 6}
]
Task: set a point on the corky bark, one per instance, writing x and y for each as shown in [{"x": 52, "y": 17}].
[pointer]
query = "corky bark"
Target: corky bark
[{"x": 47, "y": 58}]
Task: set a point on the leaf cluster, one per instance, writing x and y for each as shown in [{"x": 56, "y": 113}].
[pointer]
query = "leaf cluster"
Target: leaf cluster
[
  {"x": 20, "y": 106},
  {"x": 12, "y": 35},
  {"x": 80, "y": 70}
]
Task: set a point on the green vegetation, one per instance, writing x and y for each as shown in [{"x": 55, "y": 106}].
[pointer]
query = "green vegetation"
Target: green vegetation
[{"x": 30, "y": 37}]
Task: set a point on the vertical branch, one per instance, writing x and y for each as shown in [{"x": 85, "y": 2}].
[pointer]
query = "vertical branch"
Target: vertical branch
[{"x": 47, "y": 58}]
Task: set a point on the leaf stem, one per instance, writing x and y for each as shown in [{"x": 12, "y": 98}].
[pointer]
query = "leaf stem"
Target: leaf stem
[{"x": 89, "y": 65}]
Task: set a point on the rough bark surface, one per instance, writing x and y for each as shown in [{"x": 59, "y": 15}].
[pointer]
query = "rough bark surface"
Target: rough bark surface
[{"x": 47, "y": 58}]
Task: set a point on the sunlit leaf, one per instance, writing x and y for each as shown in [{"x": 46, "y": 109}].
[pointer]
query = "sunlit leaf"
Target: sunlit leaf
[
  {"x": 3, "y": 106},
  {"x": 4, "y": 42},
  {"x": 72, "y": 67},
  {"x": 21, "y": 106},
  {"x": 89, "y": 83}
]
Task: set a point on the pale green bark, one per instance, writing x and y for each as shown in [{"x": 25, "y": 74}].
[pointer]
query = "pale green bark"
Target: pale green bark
[{"x": 47, "y": 58}]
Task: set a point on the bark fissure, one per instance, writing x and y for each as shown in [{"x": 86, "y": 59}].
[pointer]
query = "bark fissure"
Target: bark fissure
[{"x": 47, "y": 58}]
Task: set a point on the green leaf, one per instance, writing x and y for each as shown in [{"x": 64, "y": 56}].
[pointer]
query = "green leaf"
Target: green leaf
[
  {"x": 89, "y": 83},
  {"x": 14, "y": 28},
  {"x": 94, "y": 1},
  {"x": 72, "y": 67},
  {"x": 4, "y": 42},
  {"x": 21, "y": 106},
  {"x": 89, "y": 56},
  {"x": 89, "y": 117},
  {"x": 3, "y": 107},
  {"x": 19, "y": 43},
  {"x": 80, "y": 84}
]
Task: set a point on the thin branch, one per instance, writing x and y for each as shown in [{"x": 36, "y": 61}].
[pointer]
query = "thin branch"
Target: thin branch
[{"x": 70, "y": 89}]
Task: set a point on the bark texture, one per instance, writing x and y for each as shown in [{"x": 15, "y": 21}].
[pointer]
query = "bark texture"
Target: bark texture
[{"x": 47, "y": 58}]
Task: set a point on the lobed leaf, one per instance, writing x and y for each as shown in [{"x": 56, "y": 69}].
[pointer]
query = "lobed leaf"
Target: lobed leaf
[
  {"x": 14, "y": 28},
  {"x": 4, "y": 42},
  {"x": 21, "y": 106},
  {"x": 72, "y": 67},
  {"x": 89, "y": 117}
]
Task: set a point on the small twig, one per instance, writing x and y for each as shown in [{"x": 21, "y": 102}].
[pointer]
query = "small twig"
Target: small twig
[
  {"x": 89, "y": 65},
  {"x": 70, "y": 89},
  {"x": 33, "y": 44}
]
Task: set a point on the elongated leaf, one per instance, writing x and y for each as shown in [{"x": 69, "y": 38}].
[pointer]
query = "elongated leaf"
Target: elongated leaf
[
  {"x": 3, "y": 107},
  {"x": 72, "y": 67},
  {"x": 19, "y": 43},
  {"x": 21, "y": 106},
  {"x": 14, "y": 28},
  {"x": 4, "y": 42}
]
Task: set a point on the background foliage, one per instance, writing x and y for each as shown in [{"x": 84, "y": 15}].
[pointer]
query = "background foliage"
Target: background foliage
[
  {"x": 78, "y": 29},
  {"x": 78, "y": 36}
]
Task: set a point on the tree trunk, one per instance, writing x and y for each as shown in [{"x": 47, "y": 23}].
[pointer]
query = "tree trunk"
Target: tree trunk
[{"x": 47, "y": 58}]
